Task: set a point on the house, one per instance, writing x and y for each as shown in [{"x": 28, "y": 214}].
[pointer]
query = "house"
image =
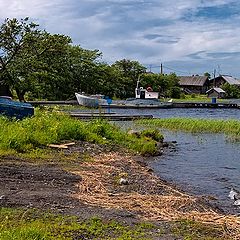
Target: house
[
  {"x": 222, "y": 79},
  {"x": 216, "y": 93},
  {"x": 194, "y": 84}
]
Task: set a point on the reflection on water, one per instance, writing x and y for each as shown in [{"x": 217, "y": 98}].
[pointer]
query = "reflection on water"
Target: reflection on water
[{"x": 203, "y": 164}]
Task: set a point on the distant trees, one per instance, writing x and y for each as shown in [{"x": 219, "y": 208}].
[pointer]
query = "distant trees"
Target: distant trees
[
  {"x": 27, "y": 54},
  {"x": 166, "y": 85},
  {"x": 128, "y": 74},
  {"x": 45, "y": 65},
  {"x": 40, "y": 65},
  {"x": 232, "y": 91}
]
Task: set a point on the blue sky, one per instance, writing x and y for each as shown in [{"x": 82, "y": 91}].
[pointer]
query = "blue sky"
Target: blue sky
[{"x": 187, "y": 36}]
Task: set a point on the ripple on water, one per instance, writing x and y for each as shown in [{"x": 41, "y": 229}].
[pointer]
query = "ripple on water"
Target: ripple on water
[{"x": 210, "y": 167}]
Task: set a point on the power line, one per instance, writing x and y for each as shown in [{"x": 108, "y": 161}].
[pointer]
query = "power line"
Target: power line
[
  {"x": 175, "y": 70},
  {"x": 169, "y": 68}
]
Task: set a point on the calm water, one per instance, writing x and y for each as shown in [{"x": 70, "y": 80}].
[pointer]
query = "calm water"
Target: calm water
[
  {"x": 205, "y": 164},
  {"x": 184, "y": 112}
]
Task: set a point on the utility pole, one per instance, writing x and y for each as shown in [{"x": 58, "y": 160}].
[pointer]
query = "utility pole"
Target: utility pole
[
  {"x": 161, "y": 68},
  {"x": 150, "y": 68},
  {"x": 214, "y": 76}
]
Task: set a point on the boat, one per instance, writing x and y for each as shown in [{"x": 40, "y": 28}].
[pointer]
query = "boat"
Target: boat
[
  {"x": 141, "y": 93},
  {"x": 90, "y": 100},
  {"x": 144, "y": 98},
  {"x": 15, "y": 109}
]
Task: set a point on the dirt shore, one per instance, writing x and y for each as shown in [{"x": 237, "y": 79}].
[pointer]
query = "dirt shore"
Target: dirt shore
[{"x": 84, "y": 180}]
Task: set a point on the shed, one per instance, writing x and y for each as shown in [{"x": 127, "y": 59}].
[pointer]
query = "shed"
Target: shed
[
  {"x": 216, "y": 92},
  {"x": 194, "y": 84}
]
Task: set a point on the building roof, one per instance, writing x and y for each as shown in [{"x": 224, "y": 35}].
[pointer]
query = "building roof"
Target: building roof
[
  {"x": 218, "y": 90},
  {"x": 192, "y": 80},
  {"x": 229, "y": 79}
]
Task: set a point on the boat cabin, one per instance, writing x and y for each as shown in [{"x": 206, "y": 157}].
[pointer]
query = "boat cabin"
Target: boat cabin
[{"x": 142, "y": 93}]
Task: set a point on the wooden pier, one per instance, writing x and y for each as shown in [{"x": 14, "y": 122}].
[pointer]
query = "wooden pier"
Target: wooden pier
[
  {"x": 204, "y": 105},
  {"x": 109, "y": 117},
  {"x": 163, "y": 105}
]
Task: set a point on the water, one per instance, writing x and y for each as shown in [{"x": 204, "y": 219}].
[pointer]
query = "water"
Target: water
[
  {"x": 218, "y": 113},
  {"x": 203, "y": 164}
]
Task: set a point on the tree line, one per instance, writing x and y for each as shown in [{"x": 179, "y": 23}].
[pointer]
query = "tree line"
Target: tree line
[{"x": 35, "y": 64}]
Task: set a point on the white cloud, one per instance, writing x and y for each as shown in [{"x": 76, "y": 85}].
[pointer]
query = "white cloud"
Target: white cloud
[{"x": 146, "y": 30}]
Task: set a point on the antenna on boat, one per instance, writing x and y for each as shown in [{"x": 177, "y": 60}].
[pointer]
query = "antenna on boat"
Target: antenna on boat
[{"x": 138, "y": 80}]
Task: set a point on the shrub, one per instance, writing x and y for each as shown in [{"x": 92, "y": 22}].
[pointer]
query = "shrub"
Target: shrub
[{"x": 153, "y": 134}]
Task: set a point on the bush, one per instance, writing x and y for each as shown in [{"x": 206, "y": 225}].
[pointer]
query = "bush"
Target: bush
[
  {"x": 153, "y": 134},
  {"x": 175, "y": 92},
  {"x": 182, "y": 96}
]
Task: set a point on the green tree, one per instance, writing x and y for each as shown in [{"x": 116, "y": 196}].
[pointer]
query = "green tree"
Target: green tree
[
  {"x": 207, "y": 74},
  {"x": 232, "y": 91},
  {"x": 31, "y": 59},
  {"x": 166, "y": 85},
  {"x": 129, "y": 71}
]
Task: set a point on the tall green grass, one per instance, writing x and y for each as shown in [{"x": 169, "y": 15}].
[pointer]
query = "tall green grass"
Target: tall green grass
[
  {"x": 54, "y": 127},
  {"x": 228, "y": 127}
]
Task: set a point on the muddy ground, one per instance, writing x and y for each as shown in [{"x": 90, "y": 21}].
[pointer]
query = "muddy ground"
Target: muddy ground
[
  {"x": 49, "y": 186},
  {"x": 83, "y": 180}
]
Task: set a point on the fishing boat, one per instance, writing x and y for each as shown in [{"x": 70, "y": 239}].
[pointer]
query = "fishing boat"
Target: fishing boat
[
  {"x": 144, "y": 98},
  {"x": 15, "y": 109},
  {"x": 91, "y": 100}
]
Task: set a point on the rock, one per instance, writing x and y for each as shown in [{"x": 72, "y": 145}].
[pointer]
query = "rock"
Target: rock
[
  {"x": 135, "y": 133},
  {"x": 2, "y": 197},
  {"x": 149, "y": 170},
  {"x": 123, "y": 181},
  {"x": 165, "y": 144}
]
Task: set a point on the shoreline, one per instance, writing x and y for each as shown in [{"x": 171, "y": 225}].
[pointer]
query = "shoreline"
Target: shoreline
[{"x": 88, "y": 186}]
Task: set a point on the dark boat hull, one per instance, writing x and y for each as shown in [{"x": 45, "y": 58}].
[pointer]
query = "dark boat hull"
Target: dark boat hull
[{"x": 15, "y": 109}]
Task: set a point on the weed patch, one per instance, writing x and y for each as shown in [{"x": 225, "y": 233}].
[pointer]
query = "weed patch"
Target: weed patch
[
  {"x": 53, "y": 127},
  {"x": 228, "y": 127}
]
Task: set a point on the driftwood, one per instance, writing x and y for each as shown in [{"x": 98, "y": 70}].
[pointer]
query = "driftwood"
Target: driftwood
[{"x": 61, "y": 146}]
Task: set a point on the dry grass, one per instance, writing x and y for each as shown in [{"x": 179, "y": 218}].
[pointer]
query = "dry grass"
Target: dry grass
[{"x": 145, "y": 195}]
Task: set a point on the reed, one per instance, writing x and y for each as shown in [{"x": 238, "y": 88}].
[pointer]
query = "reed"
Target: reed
[
  {"x": 228, "y": 127},
  {"x": 54, "y": 127}
]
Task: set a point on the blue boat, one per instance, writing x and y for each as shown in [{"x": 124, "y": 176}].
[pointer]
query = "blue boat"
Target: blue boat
[{"x": 18, "y": 110}]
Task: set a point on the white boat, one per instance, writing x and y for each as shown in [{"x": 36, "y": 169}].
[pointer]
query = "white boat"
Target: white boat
[
  {"x": 141, "y": 93},
  {"x": 91, "y": 100}
]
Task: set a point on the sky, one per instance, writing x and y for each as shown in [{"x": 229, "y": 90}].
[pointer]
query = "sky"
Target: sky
[{"x": 187, "y": 36}]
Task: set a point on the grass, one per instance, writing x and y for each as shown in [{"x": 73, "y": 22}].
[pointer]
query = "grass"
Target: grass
[
  {"x": 228, "y": 127},
  {"x": 197, "y": 98},
  {"x": 32, "y": 224},
  {"x": 195, "y": 230},
  {"x": 19, "y": 224},
  {"x": 32, "y": 134}
]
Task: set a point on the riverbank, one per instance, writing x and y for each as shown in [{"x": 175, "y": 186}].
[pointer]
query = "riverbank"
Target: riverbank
[{"x": 83, "y": 181}]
